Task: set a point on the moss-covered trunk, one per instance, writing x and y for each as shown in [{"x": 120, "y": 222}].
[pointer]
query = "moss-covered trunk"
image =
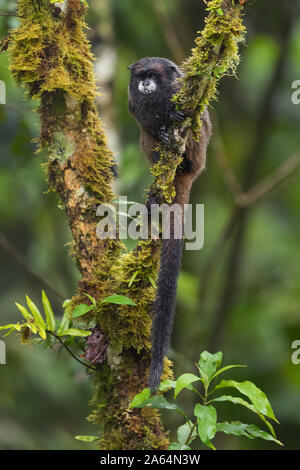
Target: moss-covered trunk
[{"x": 51, "y": 57}]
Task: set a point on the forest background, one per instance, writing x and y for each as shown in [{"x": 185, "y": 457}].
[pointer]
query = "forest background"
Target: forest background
[{"x": 240, "y": 293}]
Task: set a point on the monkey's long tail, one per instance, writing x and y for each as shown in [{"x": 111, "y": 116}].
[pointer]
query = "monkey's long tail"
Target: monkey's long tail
[
  {"x": 164, "y": 306},
  {"x": 165, "y": 301}
]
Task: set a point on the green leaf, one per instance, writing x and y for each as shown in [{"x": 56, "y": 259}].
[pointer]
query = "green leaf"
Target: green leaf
[
  {"x": 81, "y": 309},
  {"x": 39, "y": 321},
  {"x": 24, "y": 312},
  {"x": 224, "y": 369},
  {"x": 184, "y": 433},
  {"x": 207, "y": 423},
  {"x": 13, "y": 326},
  {"x": 236, "y": 428},
  {"x": 41, "y": 332},
  {"x": 166, "y": 385},
  {"x": 65, "y": 321},
  {"x": 50, "y": 319},
  {"x": 256, "y": 432},
  {"x": 92, "y": 299},
  {"x": 66, "y": 303},
  {"x": 236, "y": 401},
  {"x": 133, "y": 278},
  {"x": 87, "y": 438},
  {"x": 32, "y": 327},
  {"x": 140, "y": 398},
  {"x": 158, "y": 401},
  {"x": 220, "y": 11},
  {"x": 255, "y": 395},
  {"x": 152, "y": 282},
  {"x": 178, "y": 446},
  {"x": 118, "y": 299},
  {"x": 184, "y": 381},
  {"x": 251, "y": 431},
  {"x": 246, "y": 404},
  {"x": 208, "y": 364},
  {"x": 75, "y": 332}
]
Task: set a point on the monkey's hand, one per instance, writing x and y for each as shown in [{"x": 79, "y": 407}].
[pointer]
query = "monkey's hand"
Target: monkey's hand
[
  {"x": 177, "y": 116},
  {"x": 163, "y": 135}
]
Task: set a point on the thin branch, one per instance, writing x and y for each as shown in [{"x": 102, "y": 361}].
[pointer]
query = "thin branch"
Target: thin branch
[
  {"x": 11, "y": 14},
  {"x": 20, "y": 259},
  {"x": 270, "y": 183},
  {"x": 215, "y": 255},
  {"x": 226, "y": 170},
  {"x": 70, "y": 352},
  {"x": 169, "y": 31}
]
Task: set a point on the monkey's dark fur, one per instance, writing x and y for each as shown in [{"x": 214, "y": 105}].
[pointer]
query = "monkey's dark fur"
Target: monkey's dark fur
[{"x": 153, "y": 82}]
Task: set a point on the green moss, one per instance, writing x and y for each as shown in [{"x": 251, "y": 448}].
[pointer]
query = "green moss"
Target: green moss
[
  {"x": 62, "y": 147},
  {"x": 214, "y": 55}
]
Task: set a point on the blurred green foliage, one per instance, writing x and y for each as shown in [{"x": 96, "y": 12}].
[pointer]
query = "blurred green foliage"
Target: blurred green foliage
[{"x": 44, "y": 395}]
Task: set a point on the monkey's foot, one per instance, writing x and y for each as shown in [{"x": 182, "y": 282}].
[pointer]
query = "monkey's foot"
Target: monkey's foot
[
  {"x": 163, "y": 135},
  {"x": 155, "y": 156}
]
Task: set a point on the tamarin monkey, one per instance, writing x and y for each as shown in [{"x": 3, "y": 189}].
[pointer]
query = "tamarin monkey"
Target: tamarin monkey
[{"x": 153, "y": 82}]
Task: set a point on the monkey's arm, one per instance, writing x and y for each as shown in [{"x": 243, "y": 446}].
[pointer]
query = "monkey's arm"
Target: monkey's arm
[{"x": 195, "y": 155}]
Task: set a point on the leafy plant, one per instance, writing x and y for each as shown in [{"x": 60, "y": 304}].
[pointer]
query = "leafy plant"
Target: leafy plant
[
  {"x": 204, "y": 424},
  {"x": 49, "y": 329},
  {"x": 36, "y": 323}
]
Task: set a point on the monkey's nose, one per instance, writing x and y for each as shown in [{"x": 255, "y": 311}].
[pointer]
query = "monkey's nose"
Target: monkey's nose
[{"x": 147, "y": 83}]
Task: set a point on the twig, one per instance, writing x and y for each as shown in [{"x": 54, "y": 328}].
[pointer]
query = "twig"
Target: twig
[
  {"x": 226, "y": 170},
  {"x": 261, "y": 189},
  {"x": 270, "y": 183},
  {"x": 168, "y": 30},
  {"x": 10, "y": 14},
  {"x": 215, "y": 254},
  {"x": 19, "y": 258},
  {"x": 70, "y": 352}
]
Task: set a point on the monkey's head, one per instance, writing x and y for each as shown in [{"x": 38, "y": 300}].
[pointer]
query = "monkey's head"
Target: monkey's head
[{"x": 152, "y": 75}]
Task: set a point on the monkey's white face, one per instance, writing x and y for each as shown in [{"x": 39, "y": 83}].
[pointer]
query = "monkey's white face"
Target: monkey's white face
[{"x": 147, "y": 86}]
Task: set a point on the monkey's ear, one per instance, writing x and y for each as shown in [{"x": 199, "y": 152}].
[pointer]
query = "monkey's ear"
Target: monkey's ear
[
  {"x": 173, "y": 68},
  {"x": 176, "y": 70},
  {"x": 130, "y": 67}
]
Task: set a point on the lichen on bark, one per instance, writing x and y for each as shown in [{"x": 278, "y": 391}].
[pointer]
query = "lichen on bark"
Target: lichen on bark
[{"x": 51, "y": 58}]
